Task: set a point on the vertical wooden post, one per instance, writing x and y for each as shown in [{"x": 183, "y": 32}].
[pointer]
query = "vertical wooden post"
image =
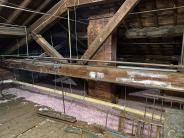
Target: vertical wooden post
[{"x": 122, "y": 122}]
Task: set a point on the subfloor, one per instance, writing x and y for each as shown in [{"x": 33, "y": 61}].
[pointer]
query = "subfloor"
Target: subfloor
[{"x": 18, "y": 119}]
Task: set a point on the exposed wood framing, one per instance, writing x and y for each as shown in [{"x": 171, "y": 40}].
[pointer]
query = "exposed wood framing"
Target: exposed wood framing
[
  {"x": 2, "y": 2},
  {"x": 16, "y": 13},
  {"x": 163, "y": 31},
  {"x": 57, "y": 10},
  {"x": 140, "y": 78},
  {"x": 155, "y": 14},
  {"x": 42, "y": 6},
  {"x": 46, "y": 46},
  {"x": 109, "y": 28},
  {"x": 17, "y": 31}
]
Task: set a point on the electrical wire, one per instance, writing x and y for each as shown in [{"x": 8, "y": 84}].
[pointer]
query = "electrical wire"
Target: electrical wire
[{"x": 76, "y": 35}]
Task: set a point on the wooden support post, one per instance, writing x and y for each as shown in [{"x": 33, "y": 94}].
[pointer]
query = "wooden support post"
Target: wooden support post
[
  {"x": 98, "y": 89},
  {"x": 158, "y": 132},
  {"x": 122, "y": 122}
]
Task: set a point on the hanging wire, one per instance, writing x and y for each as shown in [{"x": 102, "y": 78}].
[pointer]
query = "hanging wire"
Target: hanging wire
[
  {"x": 76, "y": 35},
  {"x": 63, "y": 97},
  {"x": 51, "y": 40},
  {"x": 18, "y": 48},
  {"x": 27, "y": 45},
  {"x": 69, "y": 34}
]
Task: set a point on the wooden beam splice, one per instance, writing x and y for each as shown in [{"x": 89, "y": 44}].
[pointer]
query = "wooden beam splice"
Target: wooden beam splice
[
  {"x": 46, "y": 46},
  {"x": 109, "y": 28}
]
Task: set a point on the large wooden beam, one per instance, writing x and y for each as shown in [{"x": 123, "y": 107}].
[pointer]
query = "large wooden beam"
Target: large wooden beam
[
  {"x": 57, "y": 10},
  {"x": 15, "y": 31},
  {"x": 109, "y": 28},
  {"x": 151, "y": 32},
  {"x": 46, "y": 46},
  {"x": 16, "y": 13},
  {"x": 140, "y": 78}
]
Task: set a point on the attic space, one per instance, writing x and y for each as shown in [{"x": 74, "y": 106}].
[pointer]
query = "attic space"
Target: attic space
[{"x": 92, "y": 69}]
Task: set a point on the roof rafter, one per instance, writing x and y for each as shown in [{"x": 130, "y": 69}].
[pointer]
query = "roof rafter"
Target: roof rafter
[
  {"x": 57, "y": 10},
  {"x": 125, "y": 8},
  {"x": 16, "y": 13}
]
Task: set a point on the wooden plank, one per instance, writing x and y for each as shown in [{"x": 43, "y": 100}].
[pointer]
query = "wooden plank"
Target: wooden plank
[
  {"x": 167, "y": 98},
  {"x": 14, "y": 31},
  {"x": 109, "y": 28},
  {"x": 140, "y": 78},
  {"x": 57, "y": 115},
  {"x": 152, "y": 32}
]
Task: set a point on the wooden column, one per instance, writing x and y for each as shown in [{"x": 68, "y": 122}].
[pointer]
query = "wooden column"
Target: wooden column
[{"x": 102, "y": 90}]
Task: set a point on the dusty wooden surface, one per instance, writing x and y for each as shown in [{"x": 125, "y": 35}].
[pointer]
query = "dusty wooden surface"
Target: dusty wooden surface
[
  {"x": 18, "y": 119},
  {"x": 174, "y": 124}
]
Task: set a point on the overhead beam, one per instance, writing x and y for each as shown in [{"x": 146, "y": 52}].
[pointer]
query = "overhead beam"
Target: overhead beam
[
  {"x": 109, "y": 28},
  {"x": 16, "y": 13},
  {"x": 57, "y": 10},
  {"x": 46, "y": 46},
  {"x": 60, "y": 8},
  {"x": 139, "y": 78},
  {"x": 15, "y": 31},
  {"x": 151, "y": 32},
  {"x": 40, "y": 8},
  {"x": 2, "y": 2}
]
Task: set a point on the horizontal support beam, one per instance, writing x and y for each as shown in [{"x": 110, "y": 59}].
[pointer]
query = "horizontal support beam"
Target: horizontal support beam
[
  {"x": 163, "y": 31},
  {"x": 15, "y": 31},
  {"x": 139, "y": 78}
]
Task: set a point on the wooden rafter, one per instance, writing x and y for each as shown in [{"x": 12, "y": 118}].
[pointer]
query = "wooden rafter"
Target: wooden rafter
[
  {"x": 57, "y": 10},
  {"x": 16, "y": 13},
  {"x": 40, "y": 8},
  {"x": 109, "y": 28}
]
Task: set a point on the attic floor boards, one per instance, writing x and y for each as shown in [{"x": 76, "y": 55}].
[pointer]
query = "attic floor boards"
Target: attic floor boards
[{"x": 18, "y": 119}]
